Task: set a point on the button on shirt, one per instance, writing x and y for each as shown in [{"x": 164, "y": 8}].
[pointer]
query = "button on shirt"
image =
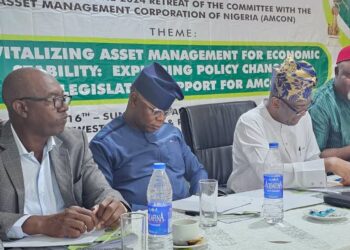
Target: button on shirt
[
  {"x": 297, "y": 146},
  {"x": 42, "y": 194}
]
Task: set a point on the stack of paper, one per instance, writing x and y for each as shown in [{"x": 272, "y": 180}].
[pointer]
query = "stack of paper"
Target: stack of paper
[
  {"x": 46, "y": 241},
  {"x": 250, "y": 202},
  {"x": 225, "y": 204}
]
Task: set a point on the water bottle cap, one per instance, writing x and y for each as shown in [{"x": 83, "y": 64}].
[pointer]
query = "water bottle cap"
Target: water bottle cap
[
  {"x": 273, "y": 145},
  {"x": 159, "y": 165}
]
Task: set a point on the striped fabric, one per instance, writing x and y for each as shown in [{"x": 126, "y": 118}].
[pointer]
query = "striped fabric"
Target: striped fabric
[{"x": 330, "y": 115}]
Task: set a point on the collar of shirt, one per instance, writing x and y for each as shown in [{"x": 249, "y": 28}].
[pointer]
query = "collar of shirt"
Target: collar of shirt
[
  {"x": 23, "y": 151},
  {"x": 42, "y": 194}
]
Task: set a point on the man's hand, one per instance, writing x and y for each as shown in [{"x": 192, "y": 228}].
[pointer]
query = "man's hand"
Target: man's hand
[
  {"x": 342, "y": 153},
  {"x": 339, "y": 167},
  {"x": 108, "y": 212},
  {"x": 71, "y": 223}
]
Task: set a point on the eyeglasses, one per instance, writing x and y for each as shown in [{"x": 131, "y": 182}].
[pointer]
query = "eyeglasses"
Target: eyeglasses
[
  {"x": 297, "y": 113},
  {"x": 159, "y": 112},
  {"x": 58, "y": 101},
  {"x": 156, "y": 111}
]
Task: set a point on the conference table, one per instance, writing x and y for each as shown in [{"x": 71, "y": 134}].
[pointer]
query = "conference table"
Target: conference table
[{"x": 297, "y": 231}]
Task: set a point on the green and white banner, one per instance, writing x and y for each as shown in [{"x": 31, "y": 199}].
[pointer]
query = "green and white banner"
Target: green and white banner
[{"x": 222, "y": 50}]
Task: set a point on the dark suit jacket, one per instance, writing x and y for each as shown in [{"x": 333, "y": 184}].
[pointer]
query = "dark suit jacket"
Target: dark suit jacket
[{"x": 80, "y": 181}]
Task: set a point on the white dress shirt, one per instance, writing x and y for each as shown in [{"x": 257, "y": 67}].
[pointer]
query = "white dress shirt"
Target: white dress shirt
[
  {"x": 297, "y": 146},
  {"x": 41, "y": 192}
]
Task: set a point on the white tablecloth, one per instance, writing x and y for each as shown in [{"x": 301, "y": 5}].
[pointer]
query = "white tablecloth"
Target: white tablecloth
[{"x": 297, "y": 232}]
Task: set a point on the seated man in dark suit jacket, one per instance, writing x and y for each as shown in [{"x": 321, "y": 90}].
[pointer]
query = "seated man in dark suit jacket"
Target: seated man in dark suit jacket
[{"x": 49, "y": 183}]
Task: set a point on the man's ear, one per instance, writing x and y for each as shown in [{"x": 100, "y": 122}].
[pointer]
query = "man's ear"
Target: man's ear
[
  {"x": 133, "y": 99},
  {"x": 20, "y": 108},
  {"x": 275, "y": 102}
]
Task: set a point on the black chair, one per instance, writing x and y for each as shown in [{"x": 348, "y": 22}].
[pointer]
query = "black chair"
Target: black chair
[{"x": 208, "y": 130}]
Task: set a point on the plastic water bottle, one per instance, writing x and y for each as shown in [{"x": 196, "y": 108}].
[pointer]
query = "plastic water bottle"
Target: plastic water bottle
[
  {"x": 273, "y": 186},
  {"x": 159, "y": 198}
]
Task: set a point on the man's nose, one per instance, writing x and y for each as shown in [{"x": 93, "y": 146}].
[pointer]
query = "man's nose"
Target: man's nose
[
  {"x": 160, "y": 117},
  {"x": 63, "y": 108}
]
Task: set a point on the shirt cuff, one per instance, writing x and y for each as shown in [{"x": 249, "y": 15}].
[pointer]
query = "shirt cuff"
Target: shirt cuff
[
  {"x": 137, "y": 207},
  {"x": 308, "y": 174},
  {"x": 126, "y": 206},
  {"x": 16, "y": 232}
]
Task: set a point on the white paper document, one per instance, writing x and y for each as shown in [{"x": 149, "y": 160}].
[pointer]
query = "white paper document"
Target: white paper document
[
  {"x": 291, "y": 199},
  {"x": 224, "y": 203},
  {"x": 250, "y": 202},
  {"x": 46, "y": 241},
  {"x": 333, "y": 189}
]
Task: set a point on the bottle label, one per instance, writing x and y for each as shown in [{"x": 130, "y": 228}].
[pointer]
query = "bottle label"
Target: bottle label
[
  {"x": 273, "y": 186},
  {"x": 159, "y": 218}
]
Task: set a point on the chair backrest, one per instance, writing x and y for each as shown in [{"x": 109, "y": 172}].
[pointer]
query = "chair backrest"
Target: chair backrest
[{"x": 208, "y": 130}]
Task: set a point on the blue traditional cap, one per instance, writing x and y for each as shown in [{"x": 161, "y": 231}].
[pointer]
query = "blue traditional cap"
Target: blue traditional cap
[
  {"x": 156, "y": 85},
  {"x": 293, "y": 80}
]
